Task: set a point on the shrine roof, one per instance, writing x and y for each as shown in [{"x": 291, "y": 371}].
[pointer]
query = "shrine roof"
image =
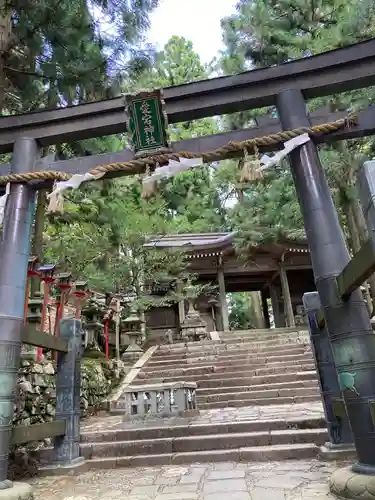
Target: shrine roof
[
  {"x": 222, "y": 242},
  {"x": 192, "y": 241}
]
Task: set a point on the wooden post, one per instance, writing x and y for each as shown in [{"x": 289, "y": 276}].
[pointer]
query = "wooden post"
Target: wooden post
[
  {"x": 276, "y": 306},
  {"x": 117, "y": 323},
  {"x": 223, "y": 299},
  {"x": 286, "y": 294},
  {"x": 265, "y": 309}
]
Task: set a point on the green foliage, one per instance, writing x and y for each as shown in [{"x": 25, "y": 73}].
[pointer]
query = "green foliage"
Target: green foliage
[
  {"x": 60, "y": 52},
  {"x": 241, "y": 316},
  {"x": 269, "y": 211},
  {"x": 102, "y": 233},
  {"x": 263, "y": 33}
]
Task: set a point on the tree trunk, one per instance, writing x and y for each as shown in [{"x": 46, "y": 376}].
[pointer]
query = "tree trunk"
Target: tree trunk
[
  {"x": 37, "y": 244},
  {"x": 356, "y": 245},
  {"x": 360, "y": 222},
  {"x": 256, "y": 305},
  {"x": 5, "y": 40}
]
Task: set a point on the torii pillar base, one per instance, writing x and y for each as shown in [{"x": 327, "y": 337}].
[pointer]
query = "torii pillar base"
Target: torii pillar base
[{"x": 347, "y": 483}]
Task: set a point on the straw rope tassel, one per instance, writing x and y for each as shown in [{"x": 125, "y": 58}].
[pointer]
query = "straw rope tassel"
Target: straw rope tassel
[
  {"x": 249, "y": 167},
  {"x": 56, "y": 202},
  {"x": 149, "y": 188}
]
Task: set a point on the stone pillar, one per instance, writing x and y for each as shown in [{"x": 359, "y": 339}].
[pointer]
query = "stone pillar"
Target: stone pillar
[
  {"x": 15, "y": 243},
  {"x": 288, "y": 307},
  {"x": 181, "y": 312},
  {"x": 266, "y": 315},
  {"x": 339, "y": 432},
  {"x": 181, "y": 305},
  {"x": 348, "y": 323},
  {"x": 223, "y": 299},
  {"x": 68, "y": 389}
]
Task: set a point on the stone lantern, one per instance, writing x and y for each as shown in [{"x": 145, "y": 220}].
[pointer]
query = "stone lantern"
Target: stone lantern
[
  {"x": 193, "y": 327},
  {"x": 132, "y": 326},
  {"x": 93, "y": 325}
]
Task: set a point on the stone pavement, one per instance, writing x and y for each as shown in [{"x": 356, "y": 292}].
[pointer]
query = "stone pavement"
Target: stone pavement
[
  {"x": 289, "y": 480},
  {"x": 290, "y": 412}
]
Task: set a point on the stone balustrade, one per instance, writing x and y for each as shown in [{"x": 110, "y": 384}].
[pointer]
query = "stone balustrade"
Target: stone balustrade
[{"x": 160, "y": 400}]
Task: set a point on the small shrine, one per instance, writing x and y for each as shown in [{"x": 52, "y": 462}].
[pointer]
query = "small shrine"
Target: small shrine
[{"x": 280, "y": 271}]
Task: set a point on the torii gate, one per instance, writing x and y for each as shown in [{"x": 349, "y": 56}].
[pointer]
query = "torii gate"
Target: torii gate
[{"x": 285, "y": 86}]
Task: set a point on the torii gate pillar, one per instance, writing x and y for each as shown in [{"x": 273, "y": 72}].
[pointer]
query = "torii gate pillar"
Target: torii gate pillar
[
  {"x": 14, "y": 256},
  {"x": 348, "y": 323}
]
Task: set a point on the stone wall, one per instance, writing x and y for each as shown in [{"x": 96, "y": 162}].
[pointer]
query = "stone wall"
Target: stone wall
[
  {"x": 36, "y": 397},
  {"x": 36, "y": 394}
]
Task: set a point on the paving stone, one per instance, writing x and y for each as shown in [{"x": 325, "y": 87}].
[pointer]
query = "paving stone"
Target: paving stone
[
  {"x": 280, "y": 482},
  {"x": 224, "y": 485},
  {"x": 263, "y": 481},
  {"x": 225, "y": 474},
  {"x": 224, "y": 465},
  {"x": 175, "y": 471},
  {"x": 180, "y": 488},
  {"x": 177, "y": 496},
  {"x": 190, "y": 479},
  {"x": 142, "y": 480},
  {"x": 237, "y": 495},
  {"x": 167, "y": 480},
  {"x": 149, "y": 491},
  {"x": 267, "y": 494}
]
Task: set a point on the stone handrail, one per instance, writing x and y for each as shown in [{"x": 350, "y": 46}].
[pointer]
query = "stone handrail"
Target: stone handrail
[{"x": 164, "y": 399}]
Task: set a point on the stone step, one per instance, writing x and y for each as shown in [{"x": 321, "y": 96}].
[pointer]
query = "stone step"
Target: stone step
[
  {"x": 264, "y": 332},
  {"x": 269, "y": 339},
  {"x": 224, "y": 364},
  {"x": 239, "y": 403},
  {"x": 313, "y": 383},
  {"x": 255, "y": 331},
  {"x": 201, "y": 374},
  {"x": 170, "y": 351},
  {"x": 159, "y": 430},
  {"x": 213, "y": 380},
  {"x": 209, "y": 381},
  {"x": 235, "y": 350},
  {"x": 218, "y": 360},
  {"x": 251, "y": 454},
  {"x": 202, "y": 443},
  {"x": 257, "y": 394}
]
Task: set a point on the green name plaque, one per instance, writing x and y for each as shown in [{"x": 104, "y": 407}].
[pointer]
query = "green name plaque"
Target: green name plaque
[{"x": 147, "y": 123}]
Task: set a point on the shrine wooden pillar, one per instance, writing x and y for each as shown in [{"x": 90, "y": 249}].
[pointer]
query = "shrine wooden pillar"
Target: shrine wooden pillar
[
  {"x": 266, "y": 315},
  {"x": 288, "y": 307},
  {"x": 278, "y": 314},
  {"x": 223, "y": 298}
]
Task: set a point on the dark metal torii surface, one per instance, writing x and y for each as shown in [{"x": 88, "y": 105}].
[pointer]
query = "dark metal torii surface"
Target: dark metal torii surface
[
  {"x": 324, "y": 74},
  {"x": 364, "y": 126},
  {"x": 287, "y": 86}
]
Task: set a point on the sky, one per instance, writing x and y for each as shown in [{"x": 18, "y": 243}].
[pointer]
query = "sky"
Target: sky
[{"x": 196, "y": 20}]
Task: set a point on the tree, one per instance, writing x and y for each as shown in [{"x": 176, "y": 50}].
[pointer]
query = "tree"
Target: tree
[
  {"x": 241, "y": 314},
  {"x": 193, "y": 202},
  {"x": 55, "y": 53},
  {"x": 101, "y": 238},
  {"x": 264, "y": 33}
]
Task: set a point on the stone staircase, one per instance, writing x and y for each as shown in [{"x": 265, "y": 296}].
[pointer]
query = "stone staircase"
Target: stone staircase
[
  {"x": 243, "y": 369},
  {"x": 257, "y": 395}
]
